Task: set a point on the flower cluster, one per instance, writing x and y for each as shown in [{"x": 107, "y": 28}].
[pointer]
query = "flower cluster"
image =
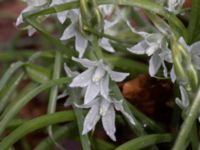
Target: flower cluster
[{"x": 95, "y": 82}]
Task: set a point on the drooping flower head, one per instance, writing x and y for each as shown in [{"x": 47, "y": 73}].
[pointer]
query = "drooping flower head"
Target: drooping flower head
[
  {"x": 96, "y": 78},
  {"x": 31, "y": 5},
  {"x": 104, "y": 109},
  {"x": 156, "y": 46}
]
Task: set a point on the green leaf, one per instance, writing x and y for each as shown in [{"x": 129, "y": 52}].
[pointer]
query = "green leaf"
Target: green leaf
[
  {"x": 194, "y": 21},
  {"x": 12, "y": 69},
  {"x": 9, "y": 89},
  {"x": 38, "y": 73},
  {"x": 35, "y": 124},
  {"x": 68, "y": 131},
  {"x": 54, "y": 93},
  {"x": 86, "y": 145},
  {"x": 11, "y": 111},
  {"x": 145, "y": 141}
]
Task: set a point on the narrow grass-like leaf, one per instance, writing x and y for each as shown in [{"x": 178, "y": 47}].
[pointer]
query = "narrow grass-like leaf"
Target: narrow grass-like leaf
[
  {"x": 54, "y": 92},
  {"x": 103, "y": 145},
  {"x": 137, "y": 128},
  {"x": 8, "y": 90},
  {"x": 126, "y": 64},
  {"x": 46, "y": 34},
  {"x": 145, "y": 141},
  {"x": 38, "y": 73},
  {"x": 86, "y": 145},
  {"x": 13, "y": 67},
  {"x": 68, "y": 131},
  {"x": 148, "y": 122},
  {"x": 10, "y": 112},
  {"x": 194, "y": 21},
  {"x": 35, "y": 124}
]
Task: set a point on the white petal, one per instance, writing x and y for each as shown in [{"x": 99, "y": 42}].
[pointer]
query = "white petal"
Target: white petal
[
  {"x": 68, "y": 33},
  {"x": 82, "y": 79},
  {"x": 104, "y": 43},
  {"x": 173, "y": 75},
  {"x": 92, "y": 91},
  {"x": 165, "y": 71},
  {"x": 117, "y": 76},
  {"x": 143, "y": 34},
  {"x": 69, "y": 72},
  {"x": 91, "y": 119},
  {"x": 182, "y": 41},
  {"x": 85, "y": 62},
  {"x": 98, "y": 74},
  {"x": 166, "y": 55},
  {"x": 119, "y": 107},
  {"x": 195, "y": 54},
  {"x": 62, "y": 16},
  {"x": 80, "y": 44},
  {"x": 108, "y": 121},
  {"x": 184, "y": 96},
  {"x": 90, "y": 104},
  {"x": 154, "y": 64},
  {"x": 31, "y": 30},
  {"x": 104, "y": 106},
  {"x": 139, "y": 48},
  {"x": 19, "y": 20},
  {"x": 36, "y": 3},
  {"x": 179, "y": 103},
  {"x": 104, "y": 87}
]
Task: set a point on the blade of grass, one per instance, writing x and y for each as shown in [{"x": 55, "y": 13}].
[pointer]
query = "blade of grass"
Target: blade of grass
[
  {"x": 35, "y": 124},
  {"x": 86, "y": 145},
  {"x": 8, "y": 90},
  {"x": 68, "y": 131},
  {"x": 194, "y": 21},
  {"x": 46, "y": 34},
  {"x": 188, "y": 124},
  {"x": 54, "y": 93},
  {"x": 12, "y": 69},
  {"x": 10, "y": 112},
  {"x": 145, "y": 141}
]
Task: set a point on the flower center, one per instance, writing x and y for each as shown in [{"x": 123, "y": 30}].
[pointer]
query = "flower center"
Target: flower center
[{"x": 98, "y": 74}]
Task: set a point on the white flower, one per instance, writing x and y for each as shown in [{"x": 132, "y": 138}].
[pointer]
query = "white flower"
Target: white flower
[
  {"x": 62, "y": 16},
  {"x": 174, "y": 5},
  {"x": 81, "y": 42},
  {"x": 96, "y": 79},
  {"x": 31, "y": 5},
  {"x": 194, "y": 52},
  {"x": 73, "y": 31},
  {"x": 184, "y": 101},
  {"x": 104, "y": 109},
  {"x": 156, "y": 46}
]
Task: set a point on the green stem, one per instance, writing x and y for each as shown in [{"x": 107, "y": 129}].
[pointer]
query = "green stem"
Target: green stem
[
  {"x": 188, "y": 124},
  {"x": 54, "y": 93}
]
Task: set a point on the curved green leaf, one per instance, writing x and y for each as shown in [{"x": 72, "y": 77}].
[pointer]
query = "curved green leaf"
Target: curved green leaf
[
  {"x": 145, "y": 141},
  {"x": 69, "y": 130},
  {"x": 38, "y": 73},
  {"x": 35, "y": 124},
  {"x": 10, "y": 112},
  {"x": 13, "y": 68}
]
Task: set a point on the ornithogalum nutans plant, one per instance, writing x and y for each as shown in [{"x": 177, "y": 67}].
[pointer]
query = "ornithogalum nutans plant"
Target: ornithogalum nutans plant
[{"x": 98, "y": 45}]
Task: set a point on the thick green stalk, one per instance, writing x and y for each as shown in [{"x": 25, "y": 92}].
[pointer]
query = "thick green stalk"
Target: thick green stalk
[{"x": 188, "y": 124}]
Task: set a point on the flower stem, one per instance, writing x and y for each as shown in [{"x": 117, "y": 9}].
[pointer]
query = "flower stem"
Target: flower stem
[{"x": 188, "y": 124}]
